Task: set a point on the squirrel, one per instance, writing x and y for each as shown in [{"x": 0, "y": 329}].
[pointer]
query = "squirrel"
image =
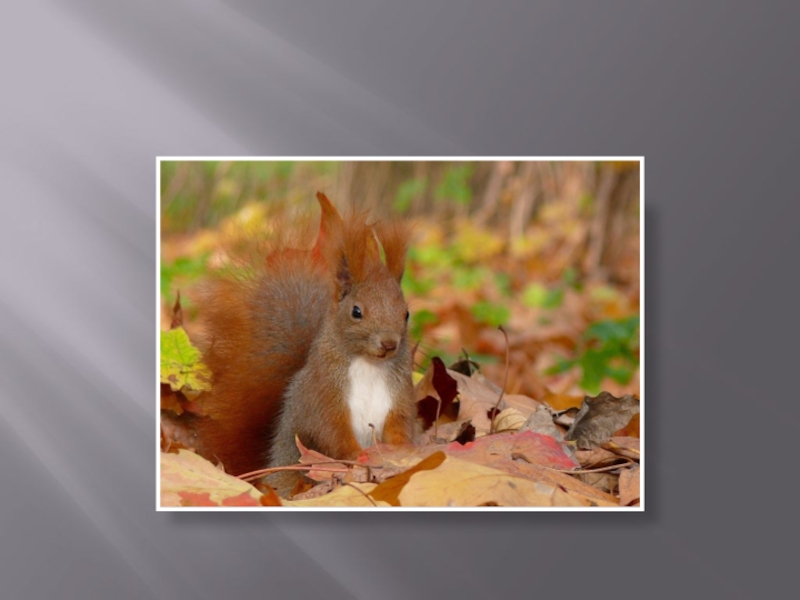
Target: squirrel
[{"x": 314, "y": 345}]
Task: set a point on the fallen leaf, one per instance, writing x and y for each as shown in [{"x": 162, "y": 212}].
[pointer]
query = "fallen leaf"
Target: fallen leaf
[
  {"x": 495, "y": 450},
  {"x": 389, "y": 491},
  {"x": 541, "y": 421},
  {"x": 181, "y": 366},
  {"x": 529, "y": 455},
  {"x": 344, "y": 495},
  {"x": 435, "y": 394},
  {"x": 466, "y": 435},
  {"x": 509, "y": 419},
  {"x": 624, "y": 446},
  {"x": 524, "y": 404},
  {"x": 312, "y": 457},
  {"x": 599, "y": 418},
  {"x": 454, "y": 482},
  {"x": 598, "y": 457},
  {"x": 189, "y": 480},
  {"x": 629, "y": 486},
  {"x": 475, "y": 400}
]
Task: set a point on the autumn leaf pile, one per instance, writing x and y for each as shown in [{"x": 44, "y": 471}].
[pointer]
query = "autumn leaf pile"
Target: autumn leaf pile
[{"x": 478, "y": 449}]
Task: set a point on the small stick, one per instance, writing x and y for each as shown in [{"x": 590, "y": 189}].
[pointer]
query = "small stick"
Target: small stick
[
  {"x": 262, "y": 472},
  {"x": 598, "y": 470},
  {"x": 362, "y": 492},
  {"x": 611, "y": 444},
  {"x": 505, "y": 382}
]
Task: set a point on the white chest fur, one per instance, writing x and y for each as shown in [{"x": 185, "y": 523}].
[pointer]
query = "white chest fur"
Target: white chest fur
[{"x": 369, "y": 399}]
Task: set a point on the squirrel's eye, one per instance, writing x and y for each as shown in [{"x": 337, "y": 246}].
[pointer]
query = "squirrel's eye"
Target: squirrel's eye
[
  {"x": 407, "y": 314},
  {"x": 356, "y": 312}
]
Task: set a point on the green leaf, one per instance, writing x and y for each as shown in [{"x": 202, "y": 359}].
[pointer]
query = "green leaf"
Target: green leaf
[
  {"x": 621, "y": 375},
  {"x": 534, "y": 295},
  {"x": 183, "y": 271},
  {"x": 180, "y": 362},
  {"x": 562, "y": 366},
  {"x": 469, "y": 278},
  {"x": 593, "y": 364},
  {"x": 455, "y": 185},
  {"x": 539, "y": 296},
  {"x": 619, "y": 330},
  {"x": 571, "y": 278},
  {"x": 408, "y": 190},
  {"x": 419, "y": 320},
  {"x": 503, "y": 283},
  {"x": 416, "y": 286},
  {"x": 490, "y": 313}
]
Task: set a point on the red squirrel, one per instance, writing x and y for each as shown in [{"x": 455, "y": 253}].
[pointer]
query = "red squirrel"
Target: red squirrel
[{"x": 314, "y": 345}]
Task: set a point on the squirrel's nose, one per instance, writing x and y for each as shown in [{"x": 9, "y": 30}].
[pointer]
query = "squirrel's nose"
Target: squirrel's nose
[{"x": 389, "y": 345}]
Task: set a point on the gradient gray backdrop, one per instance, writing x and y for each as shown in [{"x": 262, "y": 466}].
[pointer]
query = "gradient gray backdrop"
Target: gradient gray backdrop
[{"x": 91, "y": 91}]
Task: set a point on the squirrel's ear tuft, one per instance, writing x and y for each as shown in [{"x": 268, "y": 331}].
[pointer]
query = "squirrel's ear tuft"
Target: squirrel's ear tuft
[
  {"x": 346, "y": 250},
  {"x": 344, "y": 279},
  {"x": 394, "y": 238},
  {"x": 329, "y": 221}
]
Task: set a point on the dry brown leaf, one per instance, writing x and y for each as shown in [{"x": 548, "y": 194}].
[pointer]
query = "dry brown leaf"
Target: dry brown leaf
[
  {"x": 444, "y": 433},
  {"x": 509, "y": 420},
  {"x": 629, "y": 447},
  {"x": 435, "y": 394},
  {"x": 629, "y": 486},
  {"x": 632, "y": 429},
  {"x": 599, "y": 418},
  {"x": 598, "y": 457},
  {"x": 476, "y": 399},
  {"x": 541, "y": 421},
  {"x": 312, "y": 457},
  {"x": 605, "y": 482},
  {"x": 524, "y": 404}
]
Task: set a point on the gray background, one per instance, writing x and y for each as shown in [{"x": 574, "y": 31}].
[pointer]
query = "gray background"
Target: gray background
[{"x": 93, "y": 90}]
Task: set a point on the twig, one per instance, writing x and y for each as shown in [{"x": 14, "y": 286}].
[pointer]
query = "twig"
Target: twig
[
  {"x": 362, "y": 492},
  {"x": 598, "y": 470},
  {"x": 262, "y": 472},
  {"x": 505, "y": 382},
  {"x": 611, "y": 444}
]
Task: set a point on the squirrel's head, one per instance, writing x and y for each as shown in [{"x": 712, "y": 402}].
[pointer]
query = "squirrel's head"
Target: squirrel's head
[{"x": 370, "y": 313}]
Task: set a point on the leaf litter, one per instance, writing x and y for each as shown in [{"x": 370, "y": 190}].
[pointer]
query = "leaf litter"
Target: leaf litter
[{"x": 527, "y": 462}]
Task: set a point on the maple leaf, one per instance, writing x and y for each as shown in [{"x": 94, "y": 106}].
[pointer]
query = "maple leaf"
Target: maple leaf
[{"x": 181, "y": 366}]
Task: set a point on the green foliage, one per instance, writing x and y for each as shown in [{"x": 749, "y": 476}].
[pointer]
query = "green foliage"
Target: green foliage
[
  {"x": 470, "y": 278},
  {"x": 408, "y": 190},
  {"x": 180, "y": 273},
  {"x": 415, "y": 285},
  {"x": 503, "y": 283},
  {"x": 608, "y": 349},
  {"x": 539, "y": 296},
  {"x": 181, "y": 366},
  {"x": 571, "y": 278},
  {"x": 419, "y": 319},
  {"x": 490, "y": 313},
  {"x": 455, "y": 185}
]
